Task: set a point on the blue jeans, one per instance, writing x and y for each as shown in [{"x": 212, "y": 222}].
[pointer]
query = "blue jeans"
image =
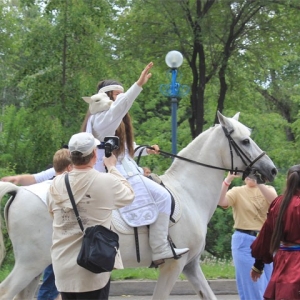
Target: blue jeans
[
  {"x": 48, "y": 290},
  {"x": 243, "y": 261}
]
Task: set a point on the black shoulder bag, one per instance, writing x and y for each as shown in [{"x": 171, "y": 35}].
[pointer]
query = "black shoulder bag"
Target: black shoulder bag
[{"x": 99, "y": 244}]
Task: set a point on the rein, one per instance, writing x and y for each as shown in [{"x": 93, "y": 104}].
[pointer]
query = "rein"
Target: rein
[
  {"x": 232, "y": 144},
  {"x": 170, "y": 155}
]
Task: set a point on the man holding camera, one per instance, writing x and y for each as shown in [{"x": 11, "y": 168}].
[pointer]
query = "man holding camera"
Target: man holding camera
[{"x": 96, "y": 195}]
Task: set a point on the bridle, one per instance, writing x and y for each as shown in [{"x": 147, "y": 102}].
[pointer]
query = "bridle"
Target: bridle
[
  {"x": 239, "y": 152},
  {"x": 232, "y": 146}
]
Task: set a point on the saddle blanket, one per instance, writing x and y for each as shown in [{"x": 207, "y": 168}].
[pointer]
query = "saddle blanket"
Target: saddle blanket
[
  {"x": 121, "y": 226},
  {"x": 40, "y": 189}
]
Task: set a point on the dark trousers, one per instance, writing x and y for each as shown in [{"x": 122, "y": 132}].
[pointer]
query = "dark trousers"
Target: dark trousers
[
  {"x": 48, "y": 289},
  {"x": 101, "y": 294}
]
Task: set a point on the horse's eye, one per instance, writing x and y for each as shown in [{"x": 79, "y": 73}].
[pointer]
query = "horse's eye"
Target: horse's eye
[{"x": 246, "y": 142}]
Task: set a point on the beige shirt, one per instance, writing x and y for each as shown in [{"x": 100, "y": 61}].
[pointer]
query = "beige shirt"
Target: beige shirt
[
  {"x": 96, "y": 195},
  {"x": 249, "y": 207}
]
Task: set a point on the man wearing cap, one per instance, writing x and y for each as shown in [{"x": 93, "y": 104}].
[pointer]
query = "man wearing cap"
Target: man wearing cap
[{"x": 96, "y": 195}]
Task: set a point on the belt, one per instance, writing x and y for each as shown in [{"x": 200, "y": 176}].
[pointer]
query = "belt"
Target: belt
[
  {"x": 250, "y": 232},
  {"x": 289, "y": 246}
]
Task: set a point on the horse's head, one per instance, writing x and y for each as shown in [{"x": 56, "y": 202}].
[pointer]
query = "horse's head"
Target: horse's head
[{"x": 243, "y": 152}]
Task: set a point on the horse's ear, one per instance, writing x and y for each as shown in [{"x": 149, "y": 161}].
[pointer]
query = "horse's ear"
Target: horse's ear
[
  {"x": 225, "y": 122},
  {"x": 221, "y": 118},
  {"x": 236, "y": 116}
]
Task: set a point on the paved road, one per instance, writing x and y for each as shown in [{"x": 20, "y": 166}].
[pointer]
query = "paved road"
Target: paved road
[
  {"x": 142, "y": 290},
  {"x": 172, "y": 297}
]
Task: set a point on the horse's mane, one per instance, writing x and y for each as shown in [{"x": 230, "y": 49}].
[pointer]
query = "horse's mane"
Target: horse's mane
[
  {"x": 191, "y": 149},
  {"x": 195, "y": 146}
]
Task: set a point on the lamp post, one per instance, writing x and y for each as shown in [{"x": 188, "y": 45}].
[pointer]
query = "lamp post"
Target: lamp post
[{"x": 174, "y": 91}]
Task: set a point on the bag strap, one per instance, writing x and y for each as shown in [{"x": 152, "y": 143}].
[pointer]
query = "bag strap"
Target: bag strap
[{"x": 73, "y": 201}]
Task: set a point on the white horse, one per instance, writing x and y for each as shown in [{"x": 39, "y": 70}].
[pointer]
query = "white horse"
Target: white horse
[{"x": 196, "y": 186}]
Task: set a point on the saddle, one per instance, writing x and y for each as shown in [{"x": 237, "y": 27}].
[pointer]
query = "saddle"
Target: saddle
[{"x": 136, "y": 220}]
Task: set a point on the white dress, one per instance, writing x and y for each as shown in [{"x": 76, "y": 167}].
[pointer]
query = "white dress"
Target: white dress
[{"x": 105, "y": 123}]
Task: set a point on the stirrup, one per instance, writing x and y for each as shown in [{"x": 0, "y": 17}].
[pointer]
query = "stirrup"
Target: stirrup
[
  {"x": 172, "y": 245},
  {"x": 158, "y": 262}
]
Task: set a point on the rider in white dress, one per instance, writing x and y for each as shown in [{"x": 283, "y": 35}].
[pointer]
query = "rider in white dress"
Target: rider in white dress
[{"x": 108, "y": 116}]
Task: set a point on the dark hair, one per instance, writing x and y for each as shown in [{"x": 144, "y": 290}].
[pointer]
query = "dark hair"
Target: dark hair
[
  {"x": 292, "y": 187},
  {"x": 107, "y": 82},
  {"x": 79, "y": 160}
]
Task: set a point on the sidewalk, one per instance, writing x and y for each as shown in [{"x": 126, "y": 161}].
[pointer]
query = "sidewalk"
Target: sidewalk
[{"x": 182, "y": 287}]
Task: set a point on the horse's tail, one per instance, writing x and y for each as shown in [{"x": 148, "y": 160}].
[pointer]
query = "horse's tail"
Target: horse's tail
[{"x": 5, "y": 188}]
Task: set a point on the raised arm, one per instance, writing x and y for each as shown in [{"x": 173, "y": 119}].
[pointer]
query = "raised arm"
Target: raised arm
[
  {"x": 268, "y": 192},
  {"x": 24, "y": 179},
  {"x": 106, "y": 122},
  {"x": 223, "y": 201}
]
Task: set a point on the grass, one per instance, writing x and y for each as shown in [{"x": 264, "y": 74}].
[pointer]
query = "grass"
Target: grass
[
  {"x": 213, "y": 268},
  {"x": 7, "y": 265},
  {"x": 216, "y": 268}
]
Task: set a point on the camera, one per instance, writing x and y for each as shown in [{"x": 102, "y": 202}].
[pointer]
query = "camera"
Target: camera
[{"x": 111, "y": 143}]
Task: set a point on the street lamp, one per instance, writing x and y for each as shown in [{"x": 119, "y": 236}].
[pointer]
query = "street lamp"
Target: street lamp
[{"x": 174, "y": 91}]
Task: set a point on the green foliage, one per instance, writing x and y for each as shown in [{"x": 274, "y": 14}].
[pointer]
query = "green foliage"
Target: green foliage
[
  {"x": 7, "y": 265},
  {"x": 219, "y": 231},
  {"x": 26, "y": 142},
  {"x": 135, "y": 273},
  {"x": 15, "y": 139},
  {"x": 212, "y": 268},
  {"x": 55, "y": 52},
  {"x": 217, "y": 268},
  {"x": 8, "y": 262}
]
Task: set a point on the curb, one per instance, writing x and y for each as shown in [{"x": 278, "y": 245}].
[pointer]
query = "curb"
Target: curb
[{"x": 182, "y": 287}]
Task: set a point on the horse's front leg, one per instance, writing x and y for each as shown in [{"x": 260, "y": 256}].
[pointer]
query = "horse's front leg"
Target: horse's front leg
[
  {"x": 196, "y": 277},
  {"x": 169, "y": 273}
]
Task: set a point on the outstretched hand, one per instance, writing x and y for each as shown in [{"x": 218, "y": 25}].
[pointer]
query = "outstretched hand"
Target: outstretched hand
[
  {"x": 145, "y": 75},
  {"x": 13, "y": 179}
]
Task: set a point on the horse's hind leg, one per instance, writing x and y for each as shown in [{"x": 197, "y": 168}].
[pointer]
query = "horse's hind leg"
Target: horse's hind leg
[
  {"x": 196, "y": 277},
  {"x": 21, "y": 283},
  {"x": 169, "y": 273},
  {"x": 29, "y": 291},
  {"x": 31, "y": 245}
]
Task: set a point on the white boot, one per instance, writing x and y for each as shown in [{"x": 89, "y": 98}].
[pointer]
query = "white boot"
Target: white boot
[{"x": 158, "y": 241}]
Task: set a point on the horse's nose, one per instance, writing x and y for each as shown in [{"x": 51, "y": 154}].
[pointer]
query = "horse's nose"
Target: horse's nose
[{"x": 274, "y": 172}]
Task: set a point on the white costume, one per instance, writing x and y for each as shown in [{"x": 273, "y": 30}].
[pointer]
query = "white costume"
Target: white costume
[
  {"x": 106, "y": 116},
  {"x": 44, "y": 175},
  {"x": 104, "y": 123}
]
